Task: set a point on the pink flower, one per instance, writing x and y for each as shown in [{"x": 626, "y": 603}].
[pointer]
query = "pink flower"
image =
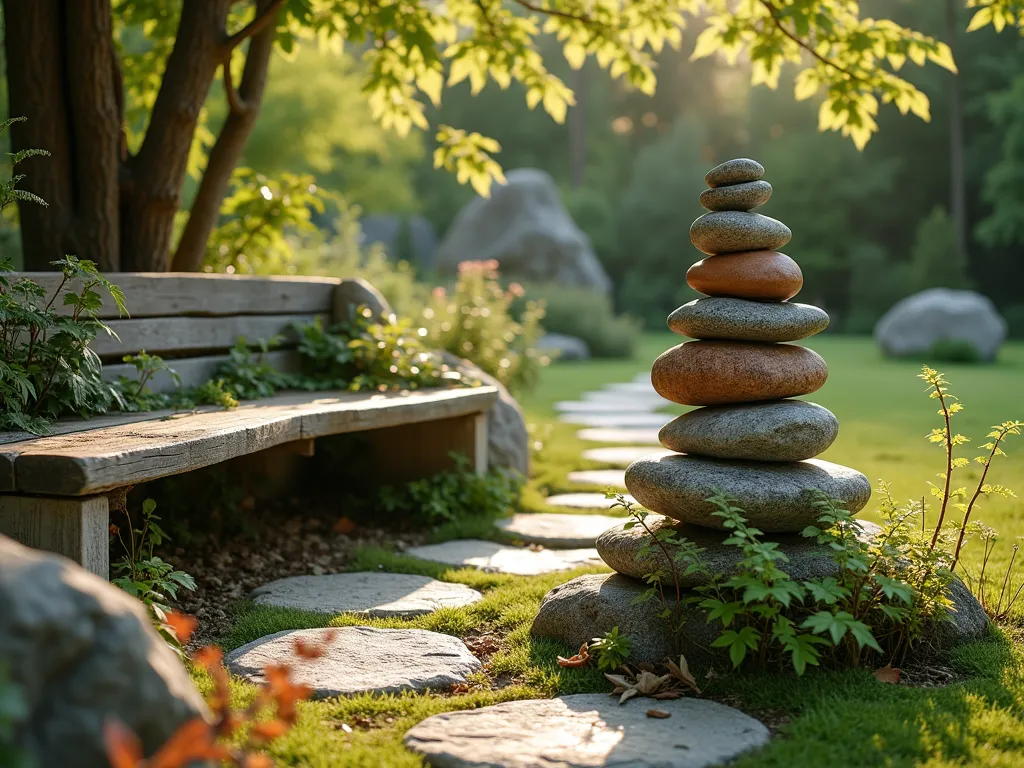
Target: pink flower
[{"x": 516, "y": 289}]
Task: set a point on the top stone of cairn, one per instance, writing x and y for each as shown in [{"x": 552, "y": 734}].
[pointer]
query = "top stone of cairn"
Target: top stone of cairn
[{"x": 736, "y": 171}]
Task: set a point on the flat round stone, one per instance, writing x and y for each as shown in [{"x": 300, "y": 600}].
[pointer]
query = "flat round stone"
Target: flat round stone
[
  {"x": 589, "y": 730},
  {"x": 738, "y": 197},
  {"x": 603, "y": 477},
  {"x": 733, "y": 231},
  {"x": 782, "y": 430},
  {"x": 721, "y": 372},
  {"x": 582, "y": 501},
  {"x": 610, "y": 405},
  {"x": 557, "y": 531},
  {"x": 612, "y": 419},
  {"x": 499, "y": 558},
  {"x": 774, "y": 496},
  {"x": 632, "y": 387},
  {"x": 359, "y": 660},
  {"x": 637, "y": 436},
  {"x": 716, "y": 317},
  {"x": 736, "y": 171},
  {"x": 620, "y": 455},
  {"x": 757, "y": 275},
  {"x": 370, "y": 593},
  {"x": 630, "y": 553},
  {"x": 648, "y": 399}
]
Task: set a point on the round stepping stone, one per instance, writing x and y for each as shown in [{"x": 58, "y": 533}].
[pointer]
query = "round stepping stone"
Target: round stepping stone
[
  {"x": 650, "y": 399},
  {"x": 718, "y": 317},
  {"x": 737, "y": 197},
  {"x": 589, "y": 730},
  {"x": 370, "y": 593},
  {"x": 785, "y": 430},
  {"x": 722, "y": 372},
  {"x": 737, "y": 171},
  {"x": 360, "y": 660},
  {"x": 557, "y": 531},
  {"x": 735, "y": 231},
  {"x": 499, "y": 558},
  {"x": 623, "y": 455},
  {"x": 774, "y": 496},
  {"x": 625, "y": 436},
  {"x": 641, "y": 387},
  {"x": 757, "y": 275},
  {"x": 605, "y": 478},
  {"x": 619, "y": 404},
  {"x": 607, "y": 419},
  {"x": 582, "y": 501},
  {"x": 630, "y": 553}
]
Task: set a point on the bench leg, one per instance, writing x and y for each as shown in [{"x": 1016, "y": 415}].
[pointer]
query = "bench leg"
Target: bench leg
[
  {"x": 76, "y": 528},
  {"x": 414, "y": 451}
]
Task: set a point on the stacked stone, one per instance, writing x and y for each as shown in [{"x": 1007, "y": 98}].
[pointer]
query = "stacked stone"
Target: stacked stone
[{"x": 748, "y": 438}]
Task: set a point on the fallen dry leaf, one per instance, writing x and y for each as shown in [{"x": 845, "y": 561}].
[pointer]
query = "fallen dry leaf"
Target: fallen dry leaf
[
  {"x": 887, "y": 674},
  {"x": 344, "y": 526},
  {"x": 660, "y": 714},
  {"x": 681, "y": 672},
  {"x": 193, "y": 741},
  {"x": 643, "y": 684},
  {"x": 579, "y": 660},
  {"x": 311, "y": 651}
]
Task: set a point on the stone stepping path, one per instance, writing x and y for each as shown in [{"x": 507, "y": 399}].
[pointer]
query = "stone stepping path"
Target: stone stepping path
[
  {"x": 611, "y": 419},
  {"x": 605, "y": 406},
  {"x": 582, "y": 501},
  {"x": 623, "y": 455},
  {"x": 635, "y": 436},
  {"x": 371, "y": 593},
  {"x": 647, "y": 399},
  {"x": 559, "y": 531},
  {"x": 500, "y": 558},
  {"x": 606, "y": 478},
  {"x": 360, "y": 660},
  {"x": 633, "y": 387},
  {"x": 587, "y": 731}
]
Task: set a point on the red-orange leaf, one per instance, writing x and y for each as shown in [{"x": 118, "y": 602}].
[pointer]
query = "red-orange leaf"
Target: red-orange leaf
[
  {"x": 195, "y": 740},
  {"x": 310, "y": 651},
  {"x": 343, "y": 525},
  {"x": 887, "y": 674},
  {"x": 658, "y": 713},
  {"x": 268, "y": 731},
  {"x": 284, "y": 692},
  {"x": 124, "y": 750},
  {"x": 183, "y": 625},
  {"x": 208, "y": 657},
  {"x": 257, "y": 761},
  {"x": 579, "y": 660}
]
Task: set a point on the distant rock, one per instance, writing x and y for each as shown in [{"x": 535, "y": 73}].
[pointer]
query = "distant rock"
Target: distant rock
[
  {"x": 525, "y": 227},
  {"x": 914, "y": 325},
  {"x": 563, "y": 347},
  {"x": 411, "y": 238},
  {"x": 82, "y": 651}
]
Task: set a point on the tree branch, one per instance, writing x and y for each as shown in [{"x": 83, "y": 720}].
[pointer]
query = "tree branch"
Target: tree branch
[
  {"x": 803, "y": 44},
  {"x": 262, "y": 18},
  {"x": 238, "y": 107},
  {"x": 552, "y": 12}
]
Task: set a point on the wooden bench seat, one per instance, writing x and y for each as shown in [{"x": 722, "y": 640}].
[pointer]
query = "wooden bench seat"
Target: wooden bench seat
[{"x": 51, "y": 486}]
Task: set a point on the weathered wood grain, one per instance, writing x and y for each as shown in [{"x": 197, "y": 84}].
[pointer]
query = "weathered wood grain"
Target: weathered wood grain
[
  {"x": 194, "y": 371},
  {"x": 74, "y": 528},
  {"x": 180, "y": 335},
  {"x": 158, "y": 294},
  {"x": 82, "y": 463}
]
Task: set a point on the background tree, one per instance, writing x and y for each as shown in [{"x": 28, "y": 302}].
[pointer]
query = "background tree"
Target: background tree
[{"x": 117, "y": 93}]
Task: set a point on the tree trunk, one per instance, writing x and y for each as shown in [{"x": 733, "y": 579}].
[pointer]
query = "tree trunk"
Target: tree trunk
[
  {"x": 227, "y": 151},
  {"x": 61, "y": 74},
  {"x": 152, "y": 194},
  {"x": 957, "y": 175}
]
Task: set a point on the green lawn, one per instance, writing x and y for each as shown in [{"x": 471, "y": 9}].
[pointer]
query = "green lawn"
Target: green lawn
[{"x": 839, "y": 718}]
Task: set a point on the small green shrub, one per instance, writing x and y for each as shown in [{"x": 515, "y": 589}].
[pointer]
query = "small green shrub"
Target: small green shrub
[
  {"x": 586, "y": 314},
  {"x": 953, "y": 351},
  {"x": 475, "y": 321},
  {"x": 611, "y": 649},
  {"x": 454, "y": 495}
]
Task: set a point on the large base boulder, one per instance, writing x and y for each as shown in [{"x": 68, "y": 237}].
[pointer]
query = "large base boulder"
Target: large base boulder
[
  {"x": 82, "y": 651},
  {"x": 917, "y": 323},
  {"x": 525, "y": 227}
]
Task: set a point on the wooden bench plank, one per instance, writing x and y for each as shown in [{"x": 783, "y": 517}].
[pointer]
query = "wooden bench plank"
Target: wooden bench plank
[
  {"x": 179, "y": 335},
  {"x": 194, "y": 371},
  {"x": 160, "y": 294},
  {"x": 81, "y": 463}
]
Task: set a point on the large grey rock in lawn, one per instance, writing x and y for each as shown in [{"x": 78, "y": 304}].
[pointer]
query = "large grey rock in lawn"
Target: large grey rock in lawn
[
  {"x": 781, "y": 430},
  {"x": 774, "y": 496},
  {"x": 589, "y": 730},
  {"x": 967, "y": 620},
  {"x": 914, "y": 325},
  {"x": 83, "y": 651},
  {"x": 632, "y": 553},
  {"x": 499, "y": 558},
  {"x": 371, "y": 593},
  {"x": 561, "y": 346},
  {"x": 525, "y": 227},
  {"x": 557, "y": 531},
  {"x": 508, "y": 442},
  {"x": 360, "y": 660}
]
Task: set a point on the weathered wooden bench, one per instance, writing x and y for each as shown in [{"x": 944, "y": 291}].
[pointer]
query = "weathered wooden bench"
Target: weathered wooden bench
[{"x": 52, "y": 488}]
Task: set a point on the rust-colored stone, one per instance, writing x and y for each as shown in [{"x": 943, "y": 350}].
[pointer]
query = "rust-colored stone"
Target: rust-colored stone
[
  {"x": 758, "y": 275},
  {"x": 719, "y": 372}
]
